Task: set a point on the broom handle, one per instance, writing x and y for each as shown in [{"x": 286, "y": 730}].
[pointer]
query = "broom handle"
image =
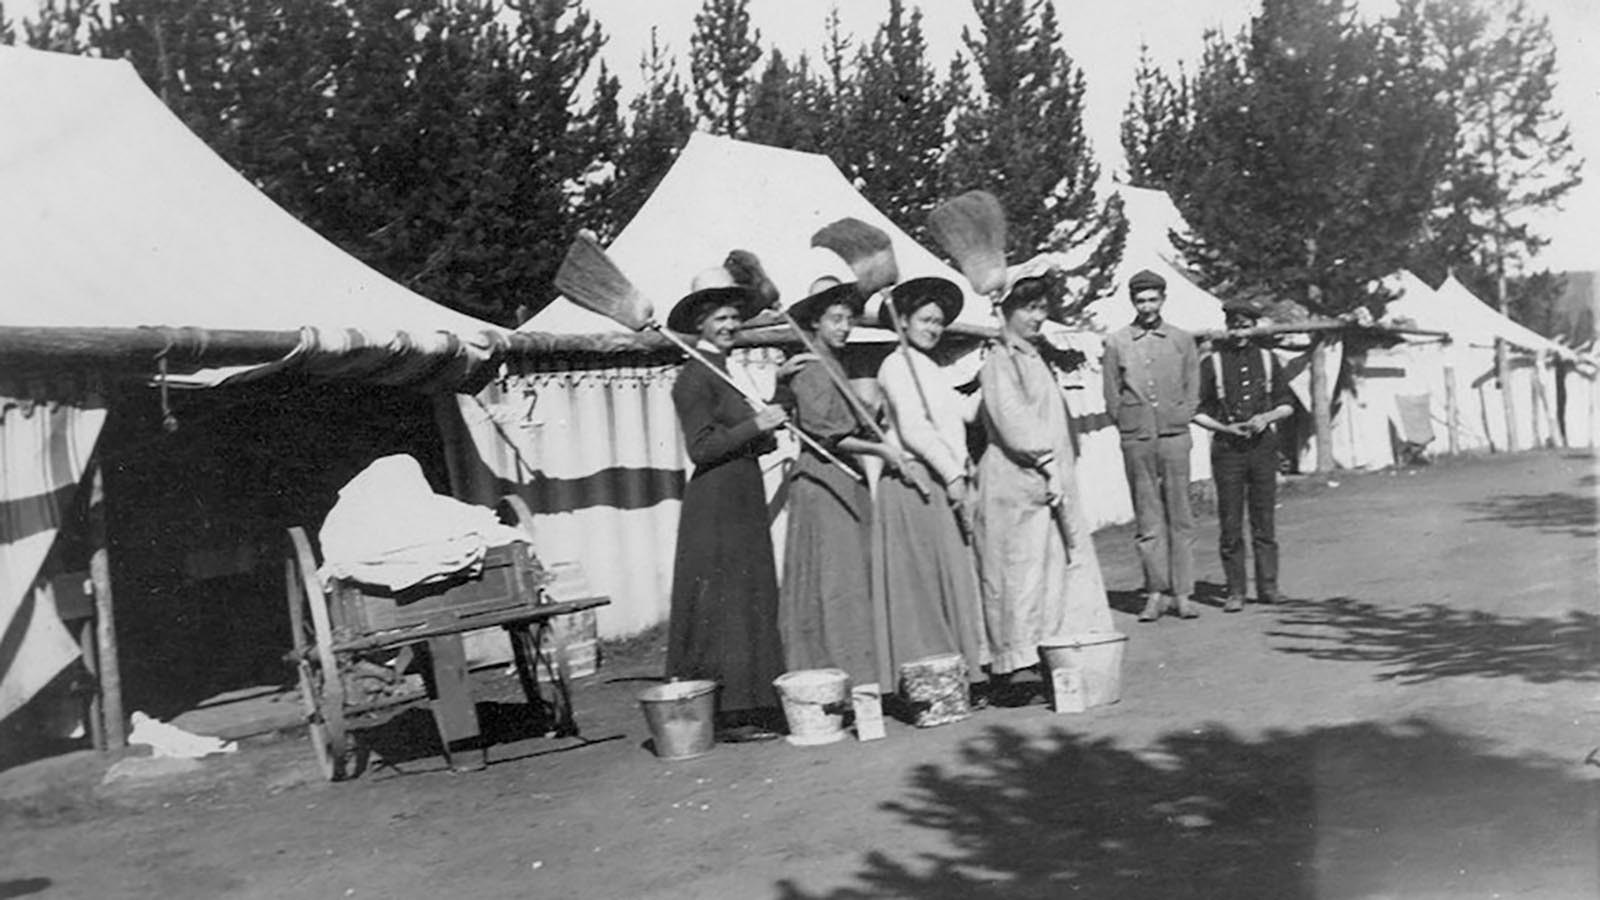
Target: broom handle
[
  {"x": 1058, "y": 508},
  {"x": 905, "y": 351},
  {"x": 755, "y": 401},
  {"x": 922, "y": 394},
  {"x": 850, "y": 397}
]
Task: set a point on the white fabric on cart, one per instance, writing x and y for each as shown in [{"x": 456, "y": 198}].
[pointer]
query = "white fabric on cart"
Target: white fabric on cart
[{"x": 391, "y": 530}]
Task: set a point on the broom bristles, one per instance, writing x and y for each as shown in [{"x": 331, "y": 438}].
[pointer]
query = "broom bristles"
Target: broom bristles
[
  {"x": 972, "y": 229},
  {"x": 866, "y": 248},
  {"x": 746, "y": 269},
  {"x": 589, "y": 278}
]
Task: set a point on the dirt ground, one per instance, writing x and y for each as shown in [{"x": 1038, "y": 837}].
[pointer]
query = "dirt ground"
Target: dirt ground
[{"x": 1413, "y": 725}]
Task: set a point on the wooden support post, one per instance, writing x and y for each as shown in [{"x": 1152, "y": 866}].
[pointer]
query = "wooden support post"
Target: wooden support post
[
  {"x": 91, "y": 661},
  {"x": 1502, "y": 375},
  {"x": 116, "y": 728},
  {"x": 1322, "y": 404},
  {"x": 453, "y": 708},
  {"x": 1452, "y": 412},
  {"x": 1594, "y": 407},
  {"x": 1536, "y": 404}
]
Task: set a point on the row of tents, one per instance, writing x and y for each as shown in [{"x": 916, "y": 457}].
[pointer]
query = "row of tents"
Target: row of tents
[{"x": 185, "y": 371}]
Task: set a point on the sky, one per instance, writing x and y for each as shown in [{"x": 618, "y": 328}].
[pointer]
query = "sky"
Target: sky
[{"x": 1103, "y": 38}]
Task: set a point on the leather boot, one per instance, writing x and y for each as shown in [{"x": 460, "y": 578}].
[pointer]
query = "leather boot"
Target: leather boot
[
  {"x": 1186, "y": 609},
  {"x": 1153, "y": 607},
  {"x": 1235, "y": 603}
]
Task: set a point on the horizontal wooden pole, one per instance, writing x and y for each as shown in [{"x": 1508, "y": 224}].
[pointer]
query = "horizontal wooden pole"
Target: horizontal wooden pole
[
  {"x": 183, "y": 347},
  {"x": 1324, "y": 327}
]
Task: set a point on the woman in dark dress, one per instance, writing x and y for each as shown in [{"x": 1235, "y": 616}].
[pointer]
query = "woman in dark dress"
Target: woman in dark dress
[{"x": 724, "y": 617}]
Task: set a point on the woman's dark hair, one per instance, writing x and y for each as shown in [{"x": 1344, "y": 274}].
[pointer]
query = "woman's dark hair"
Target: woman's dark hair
[{"x": 1029, "y": 291}]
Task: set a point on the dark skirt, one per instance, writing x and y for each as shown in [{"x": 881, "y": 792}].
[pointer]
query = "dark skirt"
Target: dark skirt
[
  {"x": 724, "y": 620},
  {"x": 826, "y": 605}
]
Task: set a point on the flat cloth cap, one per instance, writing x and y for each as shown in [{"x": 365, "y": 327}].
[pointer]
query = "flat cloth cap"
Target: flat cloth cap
[
  {"x": 1145, "y": 279},
  {"x": 1239, "y": 307}
]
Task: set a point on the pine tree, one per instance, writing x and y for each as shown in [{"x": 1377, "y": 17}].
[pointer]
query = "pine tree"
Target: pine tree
[
  {"x": 660, "y": 124},
  {"x": 1512, "y": 155},
  {"x": 787, "y": 106},
  {"x": 892, "y": 142},
  {"x": 1019, "y": 133},
  {"x": 1155, "y": 124},
  {"x": 62, "y": 26},
  {"x": 836, "y": 92},
  {"x": 1310, "y": 156},
  {"x": 723, "y": 52},
  {"x": 440, "y": 141}
]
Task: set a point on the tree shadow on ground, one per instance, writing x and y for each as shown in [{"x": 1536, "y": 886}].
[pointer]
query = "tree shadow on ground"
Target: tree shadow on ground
[
  {"x": 1552, "y": 513},
  {"x": 1348, "y": 811},
  {"x": 1431, "y": 640}
]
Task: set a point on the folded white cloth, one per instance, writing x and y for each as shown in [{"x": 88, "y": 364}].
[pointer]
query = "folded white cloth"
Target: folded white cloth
[
  {"x": 170, "y": 740},
  {"x": 390, "y": 529}
]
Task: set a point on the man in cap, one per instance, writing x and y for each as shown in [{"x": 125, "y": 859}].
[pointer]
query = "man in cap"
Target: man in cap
[
  {"x": 1152, "y": 387},
  {"x": 1242, "y": 395}
]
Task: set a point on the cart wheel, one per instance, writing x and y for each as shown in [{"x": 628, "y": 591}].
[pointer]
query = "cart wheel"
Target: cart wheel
[
  {"x": 548, "y": 694},
  {"x": 321, "y": 688}
]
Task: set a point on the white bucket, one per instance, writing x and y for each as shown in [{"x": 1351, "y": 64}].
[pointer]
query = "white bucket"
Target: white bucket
[
  {"x": 1094, "y": 660},
  {"x": 681, "y": 716},
  {"x": 814, "y": 701},
  {"x": 936, "y": 689}
]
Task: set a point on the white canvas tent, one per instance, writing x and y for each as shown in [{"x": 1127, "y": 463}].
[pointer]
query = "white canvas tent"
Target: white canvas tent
[
  {"x": 1480, "y": 421},
  {"x": 115, "y": 216},
  {"x": 721, "y": 194},
  {"x": 1151, "y": 218}
]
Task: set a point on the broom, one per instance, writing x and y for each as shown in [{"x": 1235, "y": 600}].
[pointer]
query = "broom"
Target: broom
[
  {"x": 744, "y": 265},
  {"x": 591, "y": 279},
  {"x": 972, "y": 229},
  {"x": 865, "y": 248}
]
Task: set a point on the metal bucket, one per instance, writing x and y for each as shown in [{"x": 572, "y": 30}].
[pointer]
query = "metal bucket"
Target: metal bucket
[
  {"x": 1085, "y": 668},
  {"x": 681, "y": 716}
]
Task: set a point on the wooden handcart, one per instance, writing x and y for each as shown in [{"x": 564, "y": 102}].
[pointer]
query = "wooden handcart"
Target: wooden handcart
[{"x": 354, "y": 644}]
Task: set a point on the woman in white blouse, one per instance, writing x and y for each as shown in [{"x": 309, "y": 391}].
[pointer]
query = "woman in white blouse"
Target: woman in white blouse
[{"x": 923, "y": 561}]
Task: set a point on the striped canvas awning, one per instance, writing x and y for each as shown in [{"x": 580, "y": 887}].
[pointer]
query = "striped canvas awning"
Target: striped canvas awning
[{"x": 45, "y": 447}]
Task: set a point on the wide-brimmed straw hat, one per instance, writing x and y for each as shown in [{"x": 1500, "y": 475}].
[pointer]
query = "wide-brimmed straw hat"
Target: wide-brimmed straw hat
[
  {"x": 827, "y": 293},
  {"x": 1039, "y": 268},
  {"x": 711, "y": 290},
  {"x": 911, "y": 295}
]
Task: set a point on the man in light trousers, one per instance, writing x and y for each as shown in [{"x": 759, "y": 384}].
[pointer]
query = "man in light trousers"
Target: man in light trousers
[{"x": 1152, "y": 389}]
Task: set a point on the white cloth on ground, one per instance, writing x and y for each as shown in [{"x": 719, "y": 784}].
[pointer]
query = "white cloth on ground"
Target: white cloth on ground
[{"x": 170, "y": 740}]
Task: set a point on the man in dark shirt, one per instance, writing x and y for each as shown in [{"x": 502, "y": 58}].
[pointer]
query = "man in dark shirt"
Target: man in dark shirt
[
  {"x": 1242, "y": 394},
  {"x": 1151, "y": 374}
]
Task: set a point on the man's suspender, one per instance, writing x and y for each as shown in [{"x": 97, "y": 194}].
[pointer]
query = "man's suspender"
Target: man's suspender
[{"x": 1222, "y": 390}]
